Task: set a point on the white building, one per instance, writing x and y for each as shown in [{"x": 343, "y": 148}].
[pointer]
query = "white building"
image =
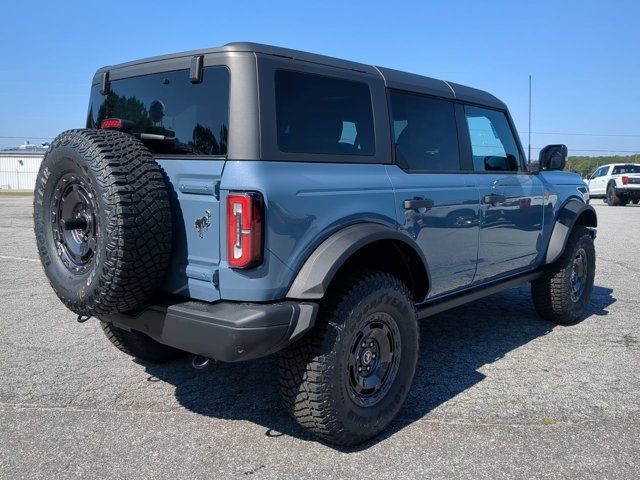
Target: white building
[{"x": 19, "y": 168}]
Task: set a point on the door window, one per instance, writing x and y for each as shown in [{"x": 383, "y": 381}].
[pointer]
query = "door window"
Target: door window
[
  {"x": 601, "y": 172},
  {"x": 424, "y": 133},
  {"x": 493, "y": 145}
]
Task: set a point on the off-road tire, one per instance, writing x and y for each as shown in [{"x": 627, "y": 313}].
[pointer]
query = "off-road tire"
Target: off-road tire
[
  {"x": 131, "y": 220},
  {"x": 313, "y": 373},
  {"x": 139, "y": 345},
  {"x": 613, "y": 199},
  {"x": 552, "y": 293}
]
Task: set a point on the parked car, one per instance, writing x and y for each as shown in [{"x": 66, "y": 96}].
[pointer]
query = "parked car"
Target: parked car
[
  {"x": 245, "y": 200},
  {"x": 617, "y": 183}
]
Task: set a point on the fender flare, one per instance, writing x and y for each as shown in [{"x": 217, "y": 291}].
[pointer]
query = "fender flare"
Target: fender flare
[
  {"x": 565, "y": 220},
  {"x": 316, "y": 274}
]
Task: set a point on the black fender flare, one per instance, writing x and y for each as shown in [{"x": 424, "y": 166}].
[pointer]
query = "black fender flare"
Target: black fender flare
[
  {"x": 566, "y": 219},
  {"x": 316, "y": 274}
]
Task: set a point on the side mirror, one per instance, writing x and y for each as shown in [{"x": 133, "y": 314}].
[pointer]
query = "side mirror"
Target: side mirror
[{"x": 553, "y": 157}]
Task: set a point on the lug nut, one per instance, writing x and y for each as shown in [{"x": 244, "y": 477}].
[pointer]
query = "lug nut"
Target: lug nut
[
  {"x": 364, "y": 344},
  {"x": 371, "y": 344},
  {"x": 368, "y": 369},
  {"x": 359, "y": 369}
]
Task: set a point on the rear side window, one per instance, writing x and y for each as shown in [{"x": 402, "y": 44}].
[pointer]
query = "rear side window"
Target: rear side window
[
  {"x": 492, "y": 143},
  {"x": 619, "y": 169},
  {"x": 318, "y": 114},
  {"x": 424, "y": 132},
  {"x": 170, "y": 114}
]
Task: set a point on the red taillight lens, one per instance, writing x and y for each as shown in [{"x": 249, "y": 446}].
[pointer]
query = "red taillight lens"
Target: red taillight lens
[
  {"x": 244, "y": 229},
  {"x": 625, "y": 180},
  {"x": 111, "y": 123}
]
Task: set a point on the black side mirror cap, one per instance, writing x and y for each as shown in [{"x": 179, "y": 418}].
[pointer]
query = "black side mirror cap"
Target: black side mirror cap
[{"x": 553, "y": 157}]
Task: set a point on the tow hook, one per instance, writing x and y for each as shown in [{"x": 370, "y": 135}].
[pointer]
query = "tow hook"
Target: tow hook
[
  {"x": 83, "y": 318},
  {"x": 199, "y": 362}
]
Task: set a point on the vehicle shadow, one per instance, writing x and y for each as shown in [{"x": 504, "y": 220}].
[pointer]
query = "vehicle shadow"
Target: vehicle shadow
[{"x": 454, "y": 345}]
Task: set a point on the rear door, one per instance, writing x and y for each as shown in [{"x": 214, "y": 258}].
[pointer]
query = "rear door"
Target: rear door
[
  {"x": 184, "y": 123},
  {"x": 436, "y": 203},
  {"x": 512, "y": 199}
]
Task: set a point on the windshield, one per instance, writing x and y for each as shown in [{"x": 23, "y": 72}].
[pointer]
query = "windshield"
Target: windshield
[
  {"x": 626, "y": 169},
  {"x": 170, "y": 114}
]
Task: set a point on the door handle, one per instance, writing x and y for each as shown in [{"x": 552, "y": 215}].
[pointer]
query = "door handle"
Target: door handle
[
  {"x": 494, "y": 199},
  {"x": 417, "y": 203}
]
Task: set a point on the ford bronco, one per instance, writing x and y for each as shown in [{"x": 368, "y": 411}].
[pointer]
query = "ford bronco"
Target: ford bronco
[{"x": 239, "y": 201}]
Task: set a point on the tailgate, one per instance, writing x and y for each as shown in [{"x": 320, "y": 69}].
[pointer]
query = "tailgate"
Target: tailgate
[
  {"x": 195, "y": 207},
  {"x": 634, "y": 179}
]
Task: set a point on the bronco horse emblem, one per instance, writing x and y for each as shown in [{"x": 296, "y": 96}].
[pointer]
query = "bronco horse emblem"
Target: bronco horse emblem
[{"x": 202, "y": 224}]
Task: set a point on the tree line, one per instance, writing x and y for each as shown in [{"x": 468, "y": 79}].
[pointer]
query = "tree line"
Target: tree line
[{"x": 586, "y": 165}]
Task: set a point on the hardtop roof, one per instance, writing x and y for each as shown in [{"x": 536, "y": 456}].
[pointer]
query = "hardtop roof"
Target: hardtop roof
[{"x": 394, "y": 79}]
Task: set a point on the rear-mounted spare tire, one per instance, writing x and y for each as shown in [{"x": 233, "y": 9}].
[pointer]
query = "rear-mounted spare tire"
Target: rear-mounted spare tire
[{"x": 102, "y": 221}]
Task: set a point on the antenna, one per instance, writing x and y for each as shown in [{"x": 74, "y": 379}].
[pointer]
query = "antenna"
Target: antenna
[{"x": 529, "y": 154}]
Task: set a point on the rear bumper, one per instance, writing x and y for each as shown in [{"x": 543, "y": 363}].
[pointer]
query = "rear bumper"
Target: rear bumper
[
  {"x": 631, "y": 192},
  {"x": 225, "y": 331}
]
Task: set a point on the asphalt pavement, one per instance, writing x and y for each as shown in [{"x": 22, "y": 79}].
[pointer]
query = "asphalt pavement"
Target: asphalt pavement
[{"x": 498, "y": 392}]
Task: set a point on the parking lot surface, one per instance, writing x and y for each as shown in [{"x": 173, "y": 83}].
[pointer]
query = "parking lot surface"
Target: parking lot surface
[{"x": 498, "y": 392}]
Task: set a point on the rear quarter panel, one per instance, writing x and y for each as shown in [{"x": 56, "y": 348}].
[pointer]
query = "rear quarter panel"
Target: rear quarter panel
[{"x": 304, "y": 203}]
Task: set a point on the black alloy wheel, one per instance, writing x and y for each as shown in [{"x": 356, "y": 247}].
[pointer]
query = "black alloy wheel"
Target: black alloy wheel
[
  {"x": 374, "y": 359},
  {"x": 74, "y": 221}
]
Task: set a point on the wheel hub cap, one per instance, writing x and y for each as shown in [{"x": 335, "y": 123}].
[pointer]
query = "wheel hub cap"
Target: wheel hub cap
[
  {"x": 579, "y": 275},
  {"x": 73, "y": 222},
  {"x": 374, "y": 359}
]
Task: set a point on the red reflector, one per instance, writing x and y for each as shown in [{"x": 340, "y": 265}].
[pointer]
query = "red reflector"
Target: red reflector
[
  {"x": 111, "y": 123},
  {"x": 625, "y": 180},
  {"x": 244, "y": 229}
]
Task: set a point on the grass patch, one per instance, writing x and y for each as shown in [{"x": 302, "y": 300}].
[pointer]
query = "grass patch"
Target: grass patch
[{"x": 16, "y": 193}]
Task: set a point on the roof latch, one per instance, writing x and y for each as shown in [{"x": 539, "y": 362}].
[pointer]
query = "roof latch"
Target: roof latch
[
  {"x": 104, "y": 83},
  {"x": 195, "y": 71}
]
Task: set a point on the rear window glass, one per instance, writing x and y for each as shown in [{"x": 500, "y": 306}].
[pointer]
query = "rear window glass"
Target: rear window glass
[
  {"x": 618, "y": 169},
  {"x": 318, "y": 114},
  {"x": 170, "y": 114}
]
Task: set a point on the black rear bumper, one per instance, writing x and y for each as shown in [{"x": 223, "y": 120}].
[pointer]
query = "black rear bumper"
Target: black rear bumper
[
  {"x": 632, "y": 193},
  {"x": 225, "y": 331}
]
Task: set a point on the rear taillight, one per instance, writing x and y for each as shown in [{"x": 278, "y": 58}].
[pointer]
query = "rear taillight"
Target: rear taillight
[
  {"x": 625, "y": 180},
  {"x": 244, "y": 229}
]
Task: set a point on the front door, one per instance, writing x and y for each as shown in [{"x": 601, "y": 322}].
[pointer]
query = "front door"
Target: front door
[
  {"x": 436, "y": 204},
  {"x": 511, "y": 199},
  {"x": 597, "y": 182}
]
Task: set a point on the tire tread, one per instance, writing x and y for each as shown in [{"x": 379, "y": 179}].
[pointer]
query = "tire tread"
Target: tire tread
[{"x": 306, "y": 370}]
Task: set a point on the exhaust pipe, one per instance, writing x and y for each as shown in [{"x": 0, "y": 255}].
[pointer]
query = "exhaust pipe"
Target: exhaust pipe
[{"x": 199, "y": 362}]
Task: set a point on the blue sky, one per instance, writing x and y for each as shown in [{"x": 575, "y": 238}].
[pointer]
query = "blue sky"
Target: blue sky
[{"x": 583, "y": 55}]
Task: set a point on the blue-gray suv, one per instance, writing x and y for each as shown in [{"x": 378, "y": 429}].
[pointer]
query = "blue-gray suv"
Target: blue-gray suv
[{"x": 244, "y": 200}]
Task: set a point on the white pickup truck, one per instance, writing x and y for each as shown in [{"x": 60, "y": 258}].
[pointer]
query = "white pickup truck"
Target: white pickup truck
[{"x": 617, "y": 183}]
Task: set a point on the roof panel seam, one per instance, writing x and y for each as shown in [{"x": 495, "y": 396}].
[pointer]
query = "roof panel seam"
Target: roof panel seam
[
  {"x": 450, "y": 88},
  {"x": 382, "y": 75}
]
